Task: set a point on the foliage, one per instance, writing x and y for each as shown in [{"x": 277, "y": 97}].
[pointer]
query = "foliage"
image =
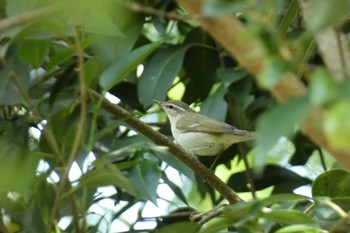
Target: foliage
[{"x": 67, "y": 164}]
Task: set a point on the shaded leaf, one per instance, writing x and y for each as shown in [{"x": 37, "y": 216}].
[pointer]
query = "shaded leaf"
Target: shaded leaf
[
  {"x": 120, "y": 69},
  {"x": 159, "y": 73},
  {"x": 332, "y": 183},
  {"x": 283, "y": 179},
  {"x": 127, "y": 93},
  {"x": 146, "y": 177},
  {"x": 214, "y": 106},
  {"x": 183, "y": 227},
  {"x": 326, "y": 13},
  {"x": 284, "y": 197},
  {"x": 306, "y": 228},
  {"x": 304, "y": 148},
  {"x": 337, "y": 130},
  {"x": 288, "y": 17},
  {"x": 106, "y": 174},
  {"x": 278, "y": 122},
  {"x": 288, "y": 217},
  {"x": 176, "y": 189},
  {"x": 200, "y": 64}
]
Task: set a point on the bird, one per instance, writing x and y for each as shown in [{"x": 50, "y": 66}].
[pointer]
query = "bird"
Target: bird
[{"x": 199, "y": 134}]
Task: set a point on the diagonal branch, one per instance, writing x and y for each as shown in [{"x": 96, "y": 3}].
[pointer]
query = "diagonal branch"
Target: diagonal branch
[{"x": 206, "y": 174}]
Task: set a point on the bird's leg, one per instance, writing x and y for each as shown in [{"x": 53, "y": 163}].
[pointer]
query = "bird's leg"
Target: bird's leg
[{"x": 216, "y": 159}]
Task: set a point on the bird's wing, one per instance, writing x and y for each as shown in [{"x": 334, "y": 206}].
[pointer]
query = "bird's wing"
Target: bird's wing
[{"x": 194, "y": 122}]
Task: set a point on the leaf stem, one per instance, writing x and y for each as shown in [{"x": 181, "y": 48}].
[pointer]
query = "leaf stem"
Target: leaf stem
[{"x": 79, "y": 135}]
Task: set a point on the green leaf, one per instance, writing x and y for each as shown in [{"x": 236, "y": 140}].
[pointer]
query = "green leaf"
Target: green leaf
[
  {"x": 34, "y": 51},
  {"x": 183, "y": 227},
  {"x": 93, "y": 67},
  {"x": 274, "y": 70},
  {"x": 102, "y": 17},
  {"x": 230, "y": 75},
  {"x": 66, "y": 53},
  {"x": 288, "y": 18},
  {"x": 324, "y": 14},
  {"x": 288, "y": 217},
  {"x": 279, "y": 121},
  {"x": 332, "y": 183},
  {"x": 243, "y": 211},
  {"x": 42, "y": 29},
  {"x": 112, "y": 48},
  {"x": 16, "y": 68},
  {"x": 297, "y": 228},
  {"x": 159, "y": 73},
  {"x": 322, "y": 88},
  {"x": 176, "y": 163},
  {"x": 176, "y": 189},
  {"x": 106, "y": 174},
  {"x": 146, "y": 177},
  {"x": 120, "y": 69},
  {"x": 283, "y": 179},
  {"x": 200, "y": 64},
  {"x": 284, "y": 197},
  {"x": 337, "y": 130},
  {"x": 214, "y": 105}
]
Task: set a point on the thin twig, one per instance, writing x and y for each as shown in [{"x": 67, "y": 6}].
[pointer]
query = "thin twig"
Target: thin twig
[
  {"x": 48, "y": 133},
  {"x": 323, "y": 162},
  {"x": 79, "y": 135},
  {"x": 243, "y": 153}
]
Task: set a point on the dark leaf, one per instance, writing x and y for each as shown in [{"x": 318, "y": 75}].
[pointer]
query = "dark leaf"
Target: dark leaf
[
  {"x": 127, "y": 93},
  {"x": 283, "y": 179},
  {"x": 200, "y": 64},
  {"x": 159, "y": 73},
  {"x": 304, "y": 148}
]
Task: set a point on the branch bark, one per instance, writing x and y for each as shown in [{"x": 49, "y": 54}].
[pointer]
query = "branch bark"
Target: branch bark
[
  {"x": 206, "y": 174},
  {"x": 230, "y": 32}
]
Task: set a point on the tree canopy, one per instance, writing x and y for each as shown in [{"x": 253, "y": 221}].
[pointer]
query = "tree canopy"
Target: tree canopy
[{"x": 84, "y": 148}]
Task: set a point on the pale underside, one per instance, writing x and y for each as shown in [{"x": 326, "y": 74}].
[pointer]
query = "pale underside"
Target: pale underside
[{"x": 205, "y": 136}]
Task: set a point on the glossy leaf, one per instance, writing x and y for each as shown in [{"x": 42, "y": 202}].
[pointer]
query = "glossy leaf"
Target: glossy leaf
[
  {"x": 337, "y": 129},
  {"x": 288, "y": 217},
  {"x": 183, "y": 227},
  {"x": 288, "y": 17},
  {"x": 325, "y": 13},
  {"x": 332, "y": 183},
  {"x": 120, "y": 69},
  {"x": 278, "y": 122},
  {"x": 146, "y": 177},
  {"x": 215, "y": 106},
  {"x": 282, "y": 179},
  {"x": 200, "y": 64},
  {"x": 14, "y": 68},
  {"x": 159, "y": 73},
  {"x": 301, "y": 228},
  {"x": 284, "y": 197},
  {"x": 34, "y": 51},
  {"x": 323, "y": 89},
  {"x": 106, "y": 174}
]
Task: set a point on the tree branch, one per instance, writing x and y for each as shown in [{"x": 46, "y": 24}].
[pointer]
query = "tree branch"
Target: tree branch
[
  {"x": 206, "y": 174},
  {"x": 229, "y": 32}
]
